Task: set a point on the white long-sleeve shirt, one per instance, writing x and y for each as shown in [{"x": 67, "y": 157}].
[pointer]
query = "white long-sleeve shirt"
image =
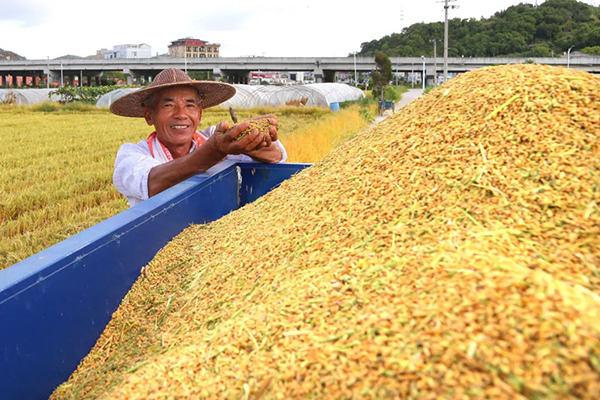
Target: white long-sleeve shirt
[{"x": 134, "y": 162}]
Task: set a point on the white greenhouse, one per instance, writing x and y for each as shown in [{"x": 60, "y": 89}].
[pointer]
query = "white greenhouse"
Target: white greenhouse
[
  {"x": 107, "y": 99},
  {"x": 250, "y": 96},
  {"x": 26, "y": 96},
  {"x": 316, "y": 94}
]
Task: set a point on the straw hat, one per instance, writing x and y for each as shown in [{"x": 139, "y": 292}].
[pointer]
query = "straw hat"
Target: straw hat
[{"x": 211, "y": 93}]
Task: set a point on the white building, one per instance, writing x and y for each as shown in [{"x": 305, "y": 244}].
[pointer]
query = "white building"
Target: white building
[{"x": 129, "y": 51}]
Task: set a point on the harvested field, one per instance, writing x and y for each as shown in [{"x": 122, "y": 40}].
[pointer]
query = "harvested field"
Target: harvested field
[{"x": 451, "y": 251}]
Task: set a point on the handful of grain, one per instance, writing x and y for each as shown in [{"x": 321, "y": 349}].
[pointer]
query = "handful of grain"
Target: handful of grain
[
  {"x": 452, "y": 251},
  {"x": 261, "y": 124}
]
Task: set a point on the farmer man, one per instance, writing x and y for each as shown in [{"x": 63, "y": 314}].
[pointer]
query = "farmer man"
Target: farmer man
[{"x": 175, "y": 151}]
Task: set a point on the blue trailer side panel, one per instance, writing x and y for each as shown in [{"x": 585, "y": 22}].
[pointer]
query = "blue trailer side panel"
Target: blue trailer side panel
[
  {"x": 259, "y": 179},
  {"x": 55, "y": 304}
]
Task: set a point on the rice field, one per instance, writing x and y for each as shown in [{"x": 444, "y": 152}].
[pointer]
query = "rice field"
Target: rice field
[{"x": 56, "y": 165}]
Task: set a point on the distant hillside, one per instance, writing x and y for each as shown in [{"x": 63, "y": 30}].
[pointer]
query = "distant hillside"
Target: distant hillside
[
  {"x": 9, "y": 55},
  {"x": 69, "y": 57},
  {"x": 521, "y": 30}
]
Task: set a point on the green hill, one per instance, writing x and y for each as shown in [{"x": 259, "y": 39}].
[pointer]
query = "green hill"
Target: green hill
[
  {"x": 521, "y": 30},
  {"x": 9, "y": 55}
]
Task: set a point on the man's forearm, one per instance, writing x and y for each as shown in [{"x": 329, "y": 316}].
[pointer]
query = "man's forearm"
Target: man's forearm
[{"x": 169, "y": 174}]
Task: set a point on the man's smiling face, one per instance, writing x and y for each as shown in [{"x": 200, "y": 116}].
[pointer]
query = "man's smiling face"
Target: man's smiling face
[{"x": 175, "y": 114}]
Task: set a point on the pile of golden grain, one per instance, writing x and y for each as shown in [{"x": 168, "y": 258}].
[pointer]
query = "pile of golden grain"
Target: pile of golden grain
[
  {"x": 450, "y": 251},
  {"x": 262, "y": 125}
]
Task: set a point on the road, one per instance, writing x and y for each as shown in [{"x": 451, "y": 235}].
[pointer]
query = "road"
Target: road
[{"x": 406, "y": 98}]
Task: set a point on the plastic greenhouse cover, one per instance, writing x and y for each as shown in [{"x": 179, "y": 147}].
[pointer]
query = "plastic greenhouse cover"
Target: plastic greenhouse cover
[
  {"x": 250, "y": 96},
  {"x": 27, "y": 96},
  {"x": 316, "y": 94},
  {"x": 107, "y": 99}
]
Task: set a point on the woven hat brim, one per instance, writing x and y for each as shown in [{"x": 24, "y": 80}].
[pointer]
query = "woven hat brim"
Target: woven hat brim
[{"x": 211, "y": 94}]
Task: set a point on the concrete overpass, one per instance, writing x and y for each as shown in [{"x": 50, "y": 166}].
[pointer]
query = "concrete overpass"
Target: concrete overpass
[{"x": 237, "y": 69}]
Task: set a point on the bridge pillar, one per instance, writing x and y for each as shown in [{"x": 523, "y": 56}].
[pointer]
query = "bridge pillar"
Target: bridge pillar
[
  {"x": 217, "y": 74},
  {"x": 54, "y": 78},
  {"x": 318, "y": 74},
  {"x": 45, "y": 76},
  {"x": 132, "y": 77}
]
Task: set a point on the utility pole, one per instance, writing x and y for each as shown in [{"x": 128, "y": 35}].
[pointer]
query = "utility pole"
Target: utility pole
[
  {"x": 401, "y": 19},
  {"x": 424, "y": 72},
  {"x": 355, "y": 76},
  {"x": 48, "y": 74},
  {"x": 435, "y": 42},
  {"x": 446, "y": 7}
]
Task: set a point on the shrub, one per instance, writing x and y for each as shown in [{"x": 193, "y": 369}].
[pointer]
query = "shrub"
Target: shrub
[
  {"x": 592, "y": 50},
  {"x": 86, "y": 94}
]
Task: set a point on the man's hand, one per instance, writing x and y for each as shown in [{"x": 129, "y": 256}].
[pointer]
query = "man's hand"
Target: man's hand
[
  {"x": 273, "y": 125},
  {"x": 254, "y": 144},
  {"x": 217, "y": 147}
]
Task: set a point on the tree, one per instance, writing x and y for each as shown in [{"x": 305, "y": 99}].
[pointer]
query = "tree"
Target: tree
[
  {"x": 382, "y": 74},
  {"x": 112, "y": 78},
  {"x": 593, "y": 50},
  {"x": 517, "y": 31},
  {"x": 201, "y": 75},
  {"x": 539, "y": 50}
]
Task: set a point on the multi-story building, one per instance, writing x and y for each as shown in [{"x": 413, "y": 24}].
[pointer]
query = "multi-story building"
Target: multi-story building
[
  {"x": 129, "y": 51},
  {"x": 193, "y": 48}
]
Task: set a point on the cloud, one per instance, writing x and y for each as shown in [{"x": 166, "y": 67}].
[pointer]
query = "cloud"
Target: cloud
[{"x": 25, "y": 13}]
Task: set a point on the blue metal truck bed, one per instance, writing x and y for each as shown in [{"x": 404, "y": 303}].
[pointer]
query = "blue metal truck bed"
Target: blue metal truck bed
[{"x": 55, "y": 304}]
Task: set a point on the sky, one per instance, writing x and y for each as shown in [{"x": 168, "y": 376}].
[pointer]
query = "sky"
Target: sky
[{"x": 37, "y": 29}]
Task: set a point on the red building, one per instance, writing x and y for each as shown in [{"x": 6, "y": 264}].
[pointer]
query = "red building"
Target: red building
[{"x": 193, "y": 48}]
